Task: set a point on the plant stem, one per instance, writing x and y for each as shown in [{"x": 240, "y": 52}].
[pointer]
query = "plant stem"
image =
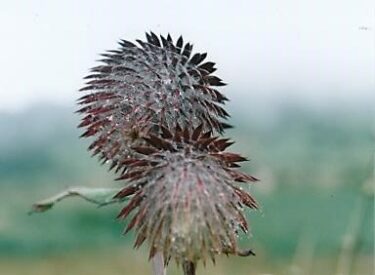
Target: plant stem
[
  {"x": 189, "y": 268},
  {"x": 158, "y": 265}
]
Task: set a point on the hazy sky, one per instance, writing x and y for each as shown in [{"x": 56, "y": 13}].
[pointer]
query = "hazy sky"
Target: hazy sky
[{"x": 312, "y": 50}]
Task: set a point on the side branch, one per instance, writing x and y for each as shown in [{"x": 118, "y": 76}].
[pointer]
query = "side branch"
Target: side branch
[{"x": 99, "y": 196}]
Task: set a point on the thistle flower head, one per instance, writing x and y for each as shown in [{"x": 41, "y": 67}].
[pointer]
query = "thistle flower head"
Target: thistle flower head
[
  {"x": 186, "y": 201},
  {"x": 153, "y": 111},
  {"x": 139, "y": 88}
]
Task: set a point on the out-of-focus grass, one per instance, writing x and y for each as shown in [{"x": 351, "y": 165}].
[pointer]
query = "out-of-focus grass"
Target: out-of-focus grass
[{"x": 124, "y": 261}]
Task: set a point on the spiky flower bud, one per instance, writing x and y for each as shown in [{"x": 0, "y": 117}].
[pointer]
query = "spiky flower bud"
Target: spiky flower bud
[
  {"x": 139, "y": 88},
  {"x": 186, "y": 199}
]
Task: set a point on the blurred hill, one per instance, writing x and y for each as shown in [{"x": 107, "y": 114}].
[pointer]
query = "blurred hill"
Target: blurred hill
[{"x": 312, "y": 164}]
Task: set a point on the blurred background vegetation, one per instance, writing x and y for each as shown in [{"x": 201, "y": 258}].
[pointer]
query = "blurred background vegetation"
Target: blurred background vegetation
[{"x": 316, "y": 217}]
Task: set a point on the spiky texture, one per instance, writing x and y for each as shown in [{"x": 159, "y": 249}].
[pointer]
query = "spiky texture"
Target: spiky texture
[
  {"x": 186, "y": 200},
  {"x": 139, "y": 88}
]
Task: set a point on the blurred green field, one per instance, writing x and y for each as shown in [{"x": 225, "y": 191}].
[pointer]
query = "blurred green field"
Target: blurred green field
[
  {"x": 312, "y": 165},
  {"x": 122, "y": 261}
]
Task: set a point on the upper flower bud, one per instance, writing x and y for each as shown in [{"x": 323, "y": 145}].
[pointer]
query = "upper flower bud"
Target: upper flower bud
[{"x": 142, "y": 87}]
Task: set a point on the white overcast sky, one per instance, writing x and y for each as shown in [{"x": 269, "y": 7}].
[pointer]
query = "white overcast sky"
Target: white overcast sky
[{"x": 318, "y": 50}]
